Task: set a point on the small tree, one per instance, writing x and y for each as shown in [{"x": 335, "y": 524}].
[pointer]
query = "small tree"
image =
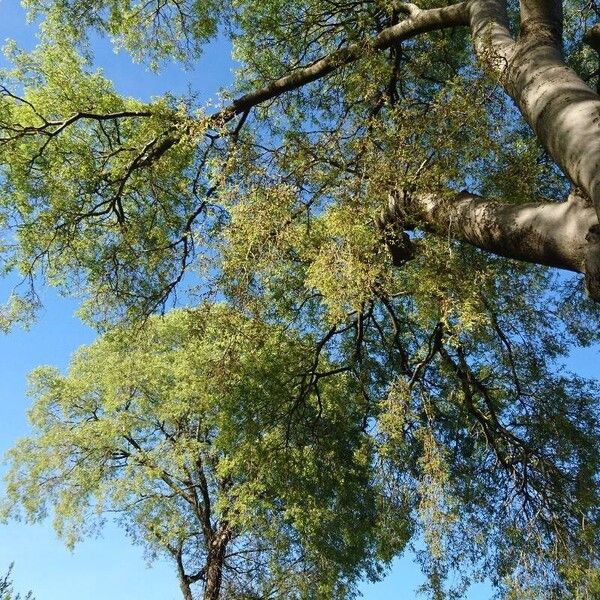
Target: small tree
[
  {"x": 6, "y": 587},
  {"x": 201, "y": 438}
]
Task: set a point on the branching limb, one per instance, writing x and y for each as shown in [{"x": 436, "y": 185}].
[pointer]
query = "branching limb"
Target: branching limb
[
  {"x": 561, "y": 235},
  {"x": 419, "y": 21},
  {"x": 53, "y": 128},
  {"x": 553, "y": 99},
  {"x": 433, "y": 347}
]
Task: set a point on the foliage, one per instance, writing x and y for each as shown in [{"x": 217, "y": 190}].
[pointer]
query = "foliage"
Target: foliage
[
  {"x": 202, "y": 430},
  {"x": 342, "y": 406},
  {"x": 6, "y": 588}
]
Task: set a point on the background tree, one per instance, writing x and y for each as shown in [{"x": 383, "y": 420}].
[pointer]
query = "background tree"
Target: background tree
[
  {"x": 200, "y": 441},
  {"x": 6, "y": 588},
  {"x": 453, "y": 135}
]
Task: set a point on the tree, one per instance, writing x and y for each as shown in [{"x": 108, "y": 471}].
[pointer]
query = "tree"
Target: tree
[
  {"x": 6, "y": 587},
  {"x": 197, "y": 440},
  {"x": 456, "y": 136}
]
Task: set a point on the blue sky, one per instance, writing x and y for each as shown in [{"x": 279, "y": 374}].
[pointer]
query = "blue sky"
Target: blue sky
[{"x": 109, "y": 566}]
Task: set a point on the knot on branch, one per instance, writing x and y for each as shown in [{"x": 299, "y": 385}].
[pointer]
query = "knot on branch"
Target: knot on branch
[
  {"x": 592, "y": 262},
  {"x": 592, "y": 37},
  {"x": 392, "y": 223}
]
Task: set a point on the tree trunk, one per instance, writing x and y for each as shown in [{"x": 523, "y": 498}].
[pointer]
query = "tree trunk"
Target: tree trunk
[
  {"x": 562, "y": 110},
  {"x": 215, "y": 562},
  {"x": 186, "y": 590}
]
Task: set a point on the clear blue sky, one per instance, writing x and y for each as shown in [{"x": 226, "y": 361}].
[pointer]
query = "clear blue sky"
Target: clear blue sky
[{"x": 110, "y": 567}]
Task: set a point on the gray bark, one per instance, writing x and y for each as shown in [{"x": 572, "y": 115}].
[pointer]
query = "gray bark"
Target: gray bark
[
  {"x": 562, "y": 110},
  {"x": 536, "y": 16},
  {"x": 546, "y": 233}
]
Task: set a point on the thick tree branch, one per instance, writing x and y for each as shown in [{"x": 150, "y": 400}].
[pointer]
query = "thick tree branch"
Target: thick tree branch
[
  {"x": 419, "y": 21},
  {"x": 554, "y": 100},
  {"x": 544, "y": 233},
  {"x": 562, "y": 110},
  {"x": 492, "y": 39},
  {"x": 541, "y": 18}
]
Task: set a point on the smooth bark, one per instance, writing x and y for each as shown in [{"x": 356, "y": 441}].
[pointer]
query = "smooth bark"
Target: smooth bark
[
  {"x": 562, "y": 110},
  {"x": 537, "y": 16},
  {"x": 545, "y": 233}
]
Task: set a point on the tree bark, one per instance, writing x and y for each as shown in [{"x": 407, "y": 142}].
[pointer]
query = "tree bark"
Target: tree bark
[
  {"x": 492, "y": 39},
  {"x": 186, "y": 590},
  {"x": 545, "y": 233},
  {"x": 215, "y": 562},
  {"x": 562, "y": 110},
  {"x": 184, "y": 582},
  {"x": 539, "y": 15}
]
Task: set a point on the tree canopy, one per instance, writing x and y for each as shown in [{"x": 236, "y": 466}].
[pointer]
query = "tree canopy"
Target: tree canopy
[
  {"x": 198, "y": 440},
  {"x": 374, "y": 227}
]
